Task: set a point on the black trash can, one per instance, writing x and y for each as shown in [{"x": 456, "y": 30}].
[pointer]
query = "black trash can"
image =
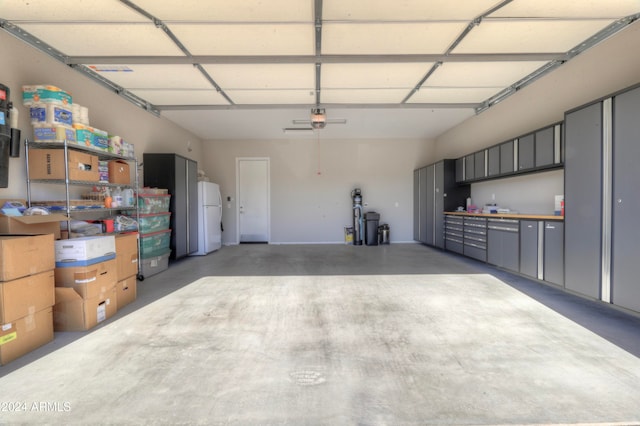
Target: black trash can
[{"x": 371, "y": 221}]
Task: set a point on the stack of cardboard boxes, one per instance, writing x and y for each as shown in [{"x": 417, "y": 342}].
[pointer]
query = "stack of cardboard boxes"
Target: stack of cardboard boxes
[
  {"x": 86, "y": 278},
  {"x": 26, "y": 294},
  {"x": 127, "y": 264}
]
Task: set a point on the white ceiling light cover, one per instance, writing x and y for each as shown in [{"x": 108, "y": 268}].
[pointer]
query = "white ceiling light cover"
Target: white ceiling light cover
[
  {"x": 406, "y": 10},
  {"x": 230, "y": 11},
  {"x": 362, "y": 96},
  {"x": 145, "y": 76},
  {"x": 480, "y": 74},
  {"x": 263, "y": 76},
  {"x": 181, "y": 96},
  {"x": 568, "y": 9},
  {"x": 69, "y": 11},
  {"x": 407, "y": 38},
  {"x": 273, "y": 97},
  {"x": 388, "y": 75},
  {"x": 105, "y": 39},
  {"x": 452, "y": 95},
  {"x": 532, "y": 36},
  {"x": 250, "y": 39}
]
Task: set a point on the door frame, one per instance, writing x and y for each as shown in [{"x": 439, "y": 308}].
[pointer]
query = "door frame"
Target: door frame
[{"x": 268, "y": 161}]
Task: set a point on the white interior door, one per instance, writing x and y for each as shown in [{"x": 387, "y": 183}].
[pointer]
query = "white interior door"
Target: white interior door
[{"x": 253, "y": 200}]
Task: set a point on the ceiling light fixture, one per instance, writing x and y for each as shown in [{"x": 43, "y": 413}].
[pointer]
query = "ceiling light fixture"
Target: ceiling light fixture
[{"x": 318, "y": 118}]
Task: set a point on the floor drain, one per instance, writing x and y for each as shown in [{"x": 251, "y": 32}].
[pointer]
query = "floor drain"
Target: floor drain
[{"x": 308, "y": 377}]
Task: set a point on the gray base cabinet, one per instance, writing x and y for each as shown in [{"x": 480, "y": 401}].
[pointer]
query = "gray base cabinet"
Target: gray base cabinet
[
  {"x": 503, "y": 243},
  {"x": 475, "y": 238},
  {"x": 529, "y": 248},
  {"x": 554, "y": 252}
]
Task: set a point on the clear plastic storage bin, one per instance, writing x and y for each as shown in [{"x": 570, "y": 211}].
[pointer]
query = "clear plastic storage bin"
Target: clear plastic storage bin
[{"x": 153, "y": 203}]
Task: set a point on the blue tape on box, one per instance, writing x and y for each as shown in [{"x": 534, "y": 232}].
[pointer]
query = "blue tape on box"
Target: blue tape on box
[{"x": 73, "y": 263}]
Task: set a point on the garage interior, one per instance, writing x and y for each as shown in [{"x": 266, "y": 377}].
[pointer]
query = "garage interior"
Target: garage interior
[{"x": 307, "y": 329}]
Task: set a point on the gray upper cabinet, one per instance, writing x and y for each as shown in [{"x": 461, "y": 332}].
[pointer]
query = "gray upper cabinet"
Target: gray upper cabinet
[
  {"x": 469, "y": 167},
  {"x": 493, "y": 161},
  {"x": 460, "y": 170},
  {"x": 526, "y": 152},
  {"x": 506, "y": 157},
  {"x": 479, "y": 164},
  {"x": 545, "y": 147}
]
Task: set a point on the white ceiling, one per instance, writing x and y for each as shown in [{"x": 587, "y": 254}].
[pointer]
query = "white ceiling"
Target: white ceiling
[{"x": 247, "y": 69}]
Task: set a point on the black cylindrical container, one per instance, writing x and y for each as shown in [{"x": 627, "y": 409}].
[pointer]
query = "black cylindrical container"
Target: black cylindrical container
[
  {"x": 14, "y": 147},
  {"x": 358, "y": 226},
  {"x": 371, "y": 220}
]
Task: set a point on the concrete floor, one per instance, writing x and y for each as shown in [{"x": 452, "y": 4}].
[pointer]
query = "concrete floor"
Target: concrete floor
[{"x": 332, "y": 335}]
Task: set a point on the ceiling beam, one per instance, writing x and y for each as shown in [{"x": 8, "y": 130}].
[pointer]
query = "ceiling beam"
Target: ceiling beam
[
  {"x": 327, "y": 105},
  {"x": 312, "y": 59}
]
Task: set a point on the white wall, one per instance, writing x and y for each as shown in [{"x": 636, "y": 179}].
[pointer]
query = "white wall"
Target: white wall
[
  {"x": 308, "y": 207},
  {"x": 533, "y": 193},
  {"x": 23, "y": 65},
  {"x": 606, "y": 68}
]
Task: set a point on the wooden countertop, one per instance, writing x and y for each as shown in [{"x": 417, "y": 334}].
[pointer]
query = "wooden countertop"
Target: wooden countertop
[{"x": 509, "y": 216}]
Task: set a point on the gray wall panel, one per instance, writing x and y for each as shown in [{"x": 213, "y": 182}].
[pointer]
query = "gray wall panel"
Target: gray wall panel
[
  {"x": 626, "y": 200},
  {"x": 583, "y": 198}
]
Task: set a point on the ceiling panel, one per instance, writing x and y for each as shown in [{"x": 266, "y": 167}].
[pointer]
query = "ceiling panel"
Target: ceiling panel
[
  {"x": 404, "y": 75},
  {"x": 453, "y": 95},
  {"x": 568, "y": 9},
  {"x": 181, "y": 96},
  {"x": 407, "y": 38},
  {"x": 405, "y": 10},
  {"x": 153, "y": 76},
  {"x": 263, "y": 76},
  {"x": 250, "y": 39},
  {"x": 230, "y": 11},
  {"x": 362, "y": 96},
  {"x": 263, "y": 97},
  {"x": 105, "y": 39},
  {"x": 69, "y": 11},
  {"x": 532, "y": 36},
  {"x": 480, "y": 74}
]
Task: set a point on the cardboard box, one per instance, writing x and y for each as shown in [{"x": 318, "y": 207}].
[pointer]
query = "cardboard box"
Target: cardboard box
[
  {"x": 40, "y": 224},
  {"x": 127, "y": 255},
  {"x": 22, "y": 255},
  {"x": 25, "y": 334},
  {"x": 119, "y": 172},
  {"x": 71, "y": 252},
  {"x": 26, "y": 295},
  {"x": 126, "y": 291},
  {"x": 49, "y": 164},
  {"x": 73, "y": 313},
  {"x": 88, "y": 281}
]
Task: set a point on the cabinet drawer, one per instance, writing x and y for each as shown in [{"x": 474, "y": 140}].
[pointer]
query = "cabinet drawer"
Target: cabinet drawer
[
  {"x": 511, "y": 225},
  {"x": 476, "y": 239},
  {"x": 454, "y": 246},
  {"x": 479, "y": 253},
  {"x": 453, "y": 219}
]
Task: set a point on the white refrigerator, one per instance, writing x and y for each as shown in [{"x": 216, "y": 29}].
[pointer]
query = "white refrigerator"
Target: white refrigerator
[{"x": 209, "y": 218}]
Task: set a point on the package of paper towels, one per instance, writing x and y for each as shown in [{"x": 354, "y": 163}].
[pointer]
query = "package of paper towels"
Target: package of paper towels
[
  {"x": 51, "y": 114},
  {"x": 42, "y": 93}
]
